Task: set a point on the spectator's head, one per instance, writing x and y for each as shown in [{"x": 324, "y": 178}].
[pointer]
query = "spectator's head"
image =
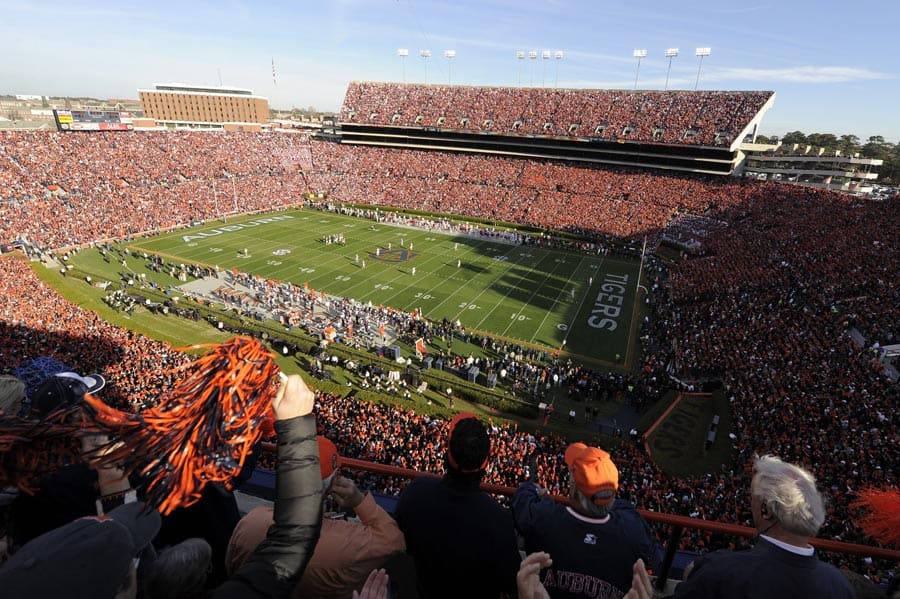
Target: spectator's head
[
  {"x": 37, "y": 370},
  {"x": 594, "y": 479},
  {"x": 63, "y": 390},
  {"x": 468, "y": 447},
  {"x": 89, "y": 557},
  {"x": 785, "y": 494},
  {"x": 180, "y": 571},
  {"x": 329, "y": 460}
]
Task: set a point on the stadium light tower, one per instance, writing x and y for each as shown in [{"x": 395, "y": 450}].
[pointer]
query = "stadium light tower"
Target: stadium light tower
[
  {"x": 670, "y": 54},
  {"x": 403, "y": 53},
  {"x": 639, "y": 54},
  {"x": 449, "y": 55},
  {"x": 532, "y": 55},
  {"x": 558, "y": 55},
  {"x": 520, "y": 56},
  {"x": 545, "y": 56},
  {"x": 425, "y": 54},
  {"x": 701, "y": 52}
]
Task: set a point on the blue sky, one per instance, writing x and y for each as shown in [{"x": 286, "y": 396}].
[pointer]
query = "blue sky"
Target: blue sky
[{"x": 832, "y": 64}]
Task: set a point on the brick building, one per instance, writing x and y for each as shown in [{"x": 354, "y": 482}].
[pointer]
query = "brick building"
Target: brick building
[{"x": 194, "y": 105}]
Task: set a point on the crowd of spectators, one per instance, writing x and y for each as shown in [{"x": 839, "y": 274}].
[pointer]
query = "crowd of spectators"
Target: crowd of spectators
[
  {"x": 61, "y": 190},
  {"x": 674, "y": 117},
  {"x": 36, "y": 322},
  {"x": 769, "y": 312},
  {"x": 397, "y": 436},
  {"x": 766, "y": 308},
  {"x": 625, "y": 204}
]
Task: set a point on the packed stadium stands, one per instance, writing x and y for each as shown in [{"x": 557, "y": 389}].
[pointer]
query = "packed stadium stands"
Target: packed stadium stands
[
  {"x": 766, "y": 307},
  {"x": 61, "y": 190},
  {"x": 672, "y": 117}
]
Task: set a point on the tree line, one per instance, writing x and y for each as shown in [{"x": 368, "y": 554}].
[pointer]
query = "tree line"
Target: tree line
[{"x": 875, "y": 147}]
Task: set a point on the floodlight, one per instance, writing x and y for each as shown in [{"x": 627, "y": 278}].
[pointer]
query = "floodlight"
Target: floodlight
[
  {"x": 521, "y": 56},
  {"x": 403, "y": 53},
  {"x": 425, "y": 54},
  {"x": 670, "y": 54},
  {"x": 639, "y": 54},
  {"x": 544, "y": 56},
  {"x": 532, "y": 54},
  {"x": 701, "y": 52},
  {"x": 449, "y": 54},
  {"x": 558, "y": 55}
]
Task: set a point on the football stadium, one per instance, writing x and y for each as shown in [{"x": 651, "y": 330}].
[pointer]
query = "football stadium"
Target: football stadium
[{"x": 566, "y": 265}]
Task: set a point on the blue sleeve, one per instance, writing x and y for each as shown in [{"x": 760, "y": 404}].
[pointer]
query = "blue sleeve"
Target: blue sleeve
[
  {"x": 528, "y": 508},
  {"x": 650, "y": 549}
]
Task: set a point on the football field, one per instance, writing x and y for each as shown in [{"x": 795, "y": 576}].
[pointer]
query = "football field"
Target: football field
[{"x": 550, "y": 298}]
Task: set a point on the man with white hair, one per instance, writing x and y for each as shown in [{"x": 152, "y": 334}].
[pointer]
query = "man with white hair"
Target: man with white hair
[{"x": 787, "y": 510}]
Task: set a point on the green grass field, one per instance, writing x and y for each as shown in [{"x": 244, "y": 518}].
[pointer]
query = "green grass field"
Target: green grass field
[{"x": 522, "y": 293}]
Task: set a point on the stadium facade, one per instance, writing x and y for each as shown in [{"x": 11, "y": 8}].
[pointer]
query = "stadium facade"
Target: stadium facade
[
  {"x": 696, "y": 132},
  {"x": 809, "y": 166},
  {"x": 203, "y": 106}
]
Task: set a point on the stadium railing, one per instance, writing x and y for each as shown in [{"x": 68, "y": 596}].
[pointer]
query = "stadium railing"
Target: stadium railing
[{"x": 677, "y": 523}]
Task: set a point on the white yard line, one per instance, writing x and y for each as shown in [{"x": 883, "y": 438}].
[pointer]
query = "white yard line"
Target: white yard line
[
  {"x": 527, "y": 302},
  {"x": 472, "y": 300},
  {"x": 556, "y": 301}
]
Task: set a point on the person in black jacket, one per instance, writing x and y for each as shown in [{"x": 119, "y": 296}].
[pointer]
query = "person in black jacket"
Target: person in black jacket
[
  {"x": 787, "y": 510},
  {"x": 276, "y": 566},
  {"x": 462, "y": 542}
]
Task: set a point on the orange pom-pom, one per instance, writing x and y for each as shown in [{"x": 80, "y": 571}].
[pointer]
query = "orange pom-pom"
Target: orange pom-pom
[
  {"x": 203, "y": 428},
  {"x": 881, "y": 519}
]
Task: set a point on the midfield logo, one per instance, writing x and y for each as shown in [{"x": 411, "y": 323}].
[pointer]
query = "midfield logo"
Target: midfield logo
[{"x": 397, "y": 255}]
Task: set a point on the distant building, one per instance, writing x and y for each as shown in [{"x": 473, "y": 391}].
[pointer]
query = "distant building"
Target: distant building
[
  {"x": 133, "y": 106},
  {"x": 203, "y": 106},
  {"x": 808, "y": 166}
]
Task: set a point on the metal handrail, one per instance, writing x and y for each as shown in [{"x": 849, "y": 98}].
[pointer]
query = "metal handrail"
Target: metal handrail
[{"x": 677, "y": 522}]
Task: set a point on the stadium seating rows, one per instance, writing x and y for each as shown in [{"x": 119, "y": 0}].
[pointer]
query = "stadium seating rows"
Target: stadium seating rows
[
  {"x": 60, "y": 190},
  {"x": 672, "y": 117},
  {"x": 623, "y": 203}
]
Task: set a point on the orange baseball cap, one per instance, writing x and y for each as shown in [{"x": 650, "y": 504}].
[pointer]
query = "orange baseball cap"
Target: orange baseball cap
[
  {"x": 593, "y": 471},
  {"x": 329, "y": 459}
]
